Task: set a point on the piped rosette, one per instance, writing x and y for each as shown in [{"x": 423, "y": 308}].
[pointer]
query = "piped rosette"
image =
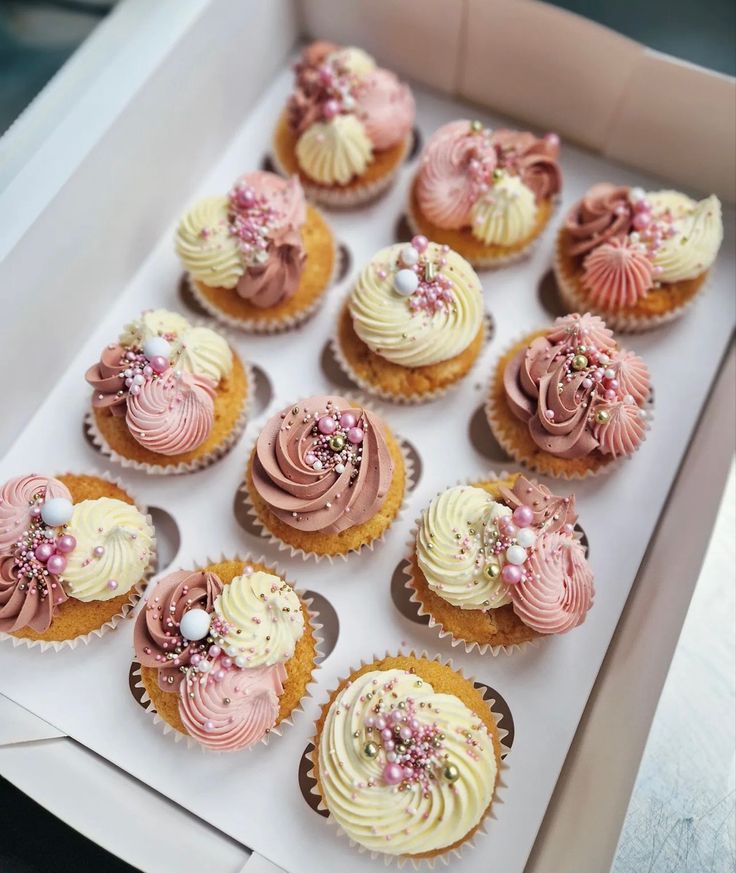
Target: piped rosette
[
  {"x": 225, "y": 653},
  {"x": 497, "y": 564}
]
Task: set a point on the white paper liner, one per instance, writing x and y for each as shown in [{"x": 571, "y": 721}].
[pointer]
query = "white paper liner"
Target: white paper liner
[
  {"x": 507, "y": 444},
  {"x": 266, "y": 325},
  {"x": 618, "y": 320},
  {"x": 295, "y": 552},
  {"x": 173, "y": 468},
  {"x": 147, "y": 704},
  {"x": 489, "y": 328},
  {"x": 401, "y": 860},
  {"x": 135, "y": 592}
]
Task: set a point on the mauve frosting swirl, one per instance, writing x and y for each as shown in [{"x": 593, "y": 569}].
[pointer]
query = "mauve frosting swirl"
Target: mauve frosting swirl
[
  {"x": 106, "y": 379},
  {"x": 551, "y": 512},
  {"x": 617, "y": 273},
  {"x": 603, "y": 214},
  {"x": 534, "y": 160},
  {"x": 386, "y": 107},
  {"x": 21, "y": 603},
  {"x": 346, "y": 491},
  {"x": 16, "y": 498}
]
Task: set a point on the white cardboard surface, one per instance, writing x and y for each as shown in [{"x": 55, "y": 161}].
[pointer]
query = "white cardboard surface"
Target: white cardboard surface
[{"x": 254, "y": 796}]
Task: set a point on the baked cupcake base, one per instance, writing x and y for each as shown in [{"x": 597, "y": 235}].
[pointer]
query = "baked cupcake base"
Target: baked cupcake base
[
  {"x": 377, "y": 177},
  {"x": 659, "y": 306},
  {"x": 470, "y": 247},
  {"x": 391, "y": 381},
  {"x": 320, "y": 267},
  {"x": 300, "y": 667}
]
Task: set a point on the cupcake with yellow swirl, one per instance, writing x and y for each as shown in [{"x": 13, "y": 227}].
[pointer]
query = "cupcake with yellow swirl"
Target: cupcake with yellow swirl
[
  {"x": 347, "y": 126},
  {"x": 406, "y": 759},
  {"x": 496, "y": 564},
  {"x": 225, "y": 653},
  {"x": 75, "y": 554},
  {"x": 167, "y": 396},
  {"x": 636, "y": 258},
  {"x": 259, "y": 258},
  {"x": 488, "y": 194},
  {"x": 413, "y": 325}
]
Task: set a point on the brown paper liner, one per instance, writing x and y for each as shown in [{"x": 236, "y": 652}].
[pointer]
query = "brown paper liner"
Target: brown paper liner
[
  {"x": 76, "y": 621},
  {"x": 164, "y": 706},
  {"x": 479, "y": 254},
  {"x": 443, "y": 678},
  {"x": 379, "y": 174},
  {"x": 659, "y": 306},
  {"x": 320, "y": 268}
]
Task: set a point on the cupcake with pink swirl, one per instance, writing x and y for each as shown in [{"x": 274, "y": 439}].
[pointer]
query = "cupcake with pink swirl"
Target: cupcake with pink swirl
[
  {"x": 259, "y": 258},
  {"x": 488, "y": 194},
  {"x": 568, "y": 401},
  {"x": 167, "y": 396},
  {"x": 225, "y": 653},
  {"x": 636, "y": 258},
  {"x": 497, "y": 563},
  {"x": 75, "y": 554},
  {"x": 326, "y": 477},
  {"x": 347, "y": 126}
]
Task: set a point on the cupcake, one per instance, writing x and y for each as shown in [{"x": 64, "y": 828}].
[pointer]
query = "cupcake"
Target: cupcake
[
  {"x": 487, "y": 194},
  {"x": 259, "y": 258},
  {"x": 347, "y": 126},
  {"x": 75, "y": 553},
  {"x": 567, "y": 401},
  {"x": 406, "y": 758},
  {"x": 326, "y": 477},
  {"x": 413, "y": 325},
  {"x": 636, "y": 259},
  {"x": 226, "y": 653},
  {"x": 167, "y": 397},
  {"x": 497, "y": 564}
]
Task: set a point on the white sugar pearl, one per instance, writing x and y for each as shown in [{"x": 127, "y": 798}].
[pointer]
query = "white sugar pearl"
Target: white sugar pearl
[
  {"x": 138, "y": 379},
  {"x": 409, "y": 256},
  {"x": 526, "y": 537},
  {"x": 339, "y": 468},
  {"x": 636, "y": 195},
  {"x": 317, "y": 465},
  {"x": 603, "y": 359},
  {"x": 610, "y": 374},
  {"x": 195, "y": 624},
  {"x": 56, "y": 511},
  {"x": 348, "y": 102},
  {"x": 516, "y": 554},
  {"x": 204, "y": 666},
  {"x": 240, "y": 662},
  {"x": 232, "y": 651},
  {"x": 405, "y": 283},
  {"x": 156, "y": 346}
]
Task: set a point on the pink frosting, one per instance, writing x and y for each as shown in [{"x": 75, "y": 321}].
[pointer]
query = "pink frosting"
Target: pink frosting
[
  {"x": 549, "y": 511},
  {"x": 624, "y": 431},
  {"x": 235, "y": 712},
  {"x": 107, "y": 381},
  {"x": 324, "y": 499},
  {"x": 617, "y": 273},
  {"x": 534, "y": 160},
  {"x": 603, "y": 214},
  {"x": 633, "y": 375},
  {"x": 386, "y": 107},
  {"x": 23, "y": 603},
  {"x": 172, "y": 414},
  {"x": 557, "y": 589},
  {"x": 17, "y": 497}
]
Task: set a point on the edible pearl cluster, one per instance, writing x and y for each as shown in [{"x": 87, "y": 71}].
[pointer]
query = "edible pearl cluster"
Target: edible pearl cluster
[
  {"x": 420, "y": 279},
  {"x": 146, "y": 363},
  {"x": 252, "y": 221},
  {"x": 337, "y": 439},
  {"x": 649, "y": 232},
  {"x": 336, "y": 94}
]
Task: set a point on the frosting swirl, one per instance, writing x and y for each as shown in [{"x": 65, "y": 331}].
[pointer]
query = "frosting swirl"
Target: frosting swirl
[
  {"x": 617, "y": 273},
  {"x": 692, "y": 248},
  {"x": 549, "y": 511},
  {"x": 534, "y": 160},
  {"x": 207, "y": 248},
  {"x": 151, "y": 323},
  {"x": 23, "y": 603},
  {"x": 17, "y": 498},
  {"x": 505, "y": 214},
  {"x": 385, "y": 106},
  {"x": 604, "y": 214},
  {"x": 336, "y": 151},
  {"x": 107, "y": 380},
  {"x": 203, "y": 352}
]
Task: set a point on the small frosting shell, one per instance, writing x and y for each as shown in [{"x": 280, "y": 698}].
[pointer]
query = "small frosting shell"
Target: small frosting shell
[
  {"x": 505, "y": 215},
  {"x": 336, "y": 151},
  {"x": 205, "y": 245},
  {"x": 694, "y": 246}
]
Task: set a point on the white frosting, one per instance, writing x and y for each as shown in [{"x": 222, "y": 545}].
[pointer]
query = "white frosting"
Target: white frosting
[
  {"x": 353, "y": 59},
  {"x": 505, "y": 214},
  {"x": 694, "y": 246},
  {"x": 677, "y": 203},
  {"x": 205, "y": 245},
  {"x": 153, "y": 322},
  {"x": 202, "y": 351},
  {"x": 334, "y": 151}
]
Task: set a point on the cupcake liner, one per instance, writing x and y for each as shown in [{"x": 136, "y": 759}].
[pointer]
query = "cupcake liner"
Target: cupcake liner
[
  {"x": 467, "y": 844},
  {"x": 296, "y": 552},
  {"x": 266, "y": 325},
  {"x": 142, "y": 698},
  {"x": 172, "y": 469},
  {"x": 618, "y": 320},
  {"x": 494, "y": 417},
  {"x": 489, "y": 329},
  {"x": 135, "y": 593}
]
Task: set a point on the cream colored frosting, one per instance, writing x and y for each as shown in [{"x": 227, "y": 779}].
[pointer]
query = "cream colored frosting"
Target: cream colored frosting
[
  {"x": 378, "y": 815},
  {"x": 505, "y": 214},
  {"x": 203, "y": 352},
  {"x": 677, "y": 203},
  {"x": 352, "y": 59},
  {"x": 694, "y": 246},
  {"x": 153, "y": 322},
  {"x": 451, "y": 551},
  {"x": 125, "y": 538},
  {"x": 388, "y": 326},
  {"x": 205, "y": 245},
  {"x": 265, "y": 618},
  {"x": 334, "y": 151}
]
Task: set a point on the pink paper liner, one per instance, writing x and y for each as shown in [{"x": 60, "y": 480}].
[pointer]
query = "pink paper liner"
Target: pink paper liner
[
  {"x": 145, "y": 702},
  {"x": 401, "y": 860},
  {"x": 135, "y": 592}
]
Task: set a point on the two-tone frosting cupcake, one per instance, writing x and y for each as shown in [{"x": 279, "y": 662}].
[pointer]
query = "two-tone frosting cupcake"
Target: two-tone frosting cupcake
[
  {"x": 75, "y": 553},
  {"x": 569, "y": 401},
  {"x": 226, "y": 653},
  {"x": 168, "y": 396},
  {"x": 636, "y": 258},
  {"x": 497, "y": 563},
  {"x": 487, "y": 194},
  {"x": 259, "y": 258},
  {"x": 347, "y": 125},
  {"x": 413, "y": 324}
]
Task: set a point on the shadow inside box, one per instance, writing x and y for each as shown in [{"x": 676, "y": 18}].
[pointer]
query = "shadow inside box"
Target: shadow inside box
[
  {"x": 168, "y": 537},
  {"x": 549, "y": 296},
  {"x": 332, "y": 370},
  {"x": 483, "y": 440},
  {"x": 327, "y": 617},
  {"x": 189, "y": 300},
  {"x": 401, "y": 595}
]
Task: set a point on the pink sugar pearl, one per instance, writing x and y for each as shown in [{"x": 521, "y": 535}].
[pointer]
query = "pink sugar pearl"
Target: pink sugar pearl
[
  {"x": 44, "y": 552},
  {"x": 348, "y": 420},
  {"x": 641, "y": 220},
  {"x": 420, "y": 242},
  {"x": 159, "y": 364},
  {"x": 511, "y": 574},
  {"x": 327, "y": 424},
  {"x": 523, "y": 516},
  {"x": 393, "y": 774},
  {"x": 66, "y": 544},
  {"x": 56, "y": 564},
  {"x": 355, "y": 435},
  {"x": 331, "y": 108}
]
